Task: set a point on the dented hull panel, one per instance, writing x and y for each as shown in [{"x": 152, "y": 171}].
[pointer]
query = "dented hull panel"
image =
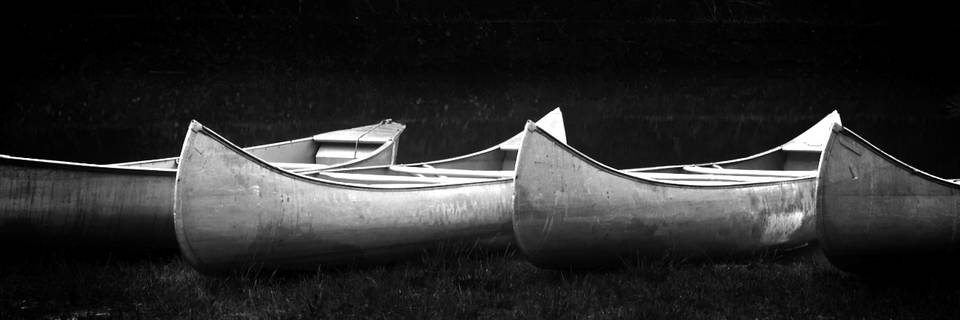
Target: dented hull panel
[
  {"x": 234, "y": 211},
  {"x": 874, "y": 208},
  {"x": 571, "y": 211}
]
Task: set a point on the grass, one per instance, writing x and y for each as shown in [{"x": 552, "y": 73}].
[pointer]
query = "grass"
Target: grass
[{"x": 457, "y": 283}]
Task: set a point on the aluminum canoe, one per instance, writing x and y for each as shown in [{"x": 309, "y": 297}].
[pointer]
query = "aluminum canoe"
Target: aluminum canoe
[
  {"x": 879, "y": 214},
  {"x": 130, "y": 205},
  {"x": 235, "y": 211},
  {"x": 571, "y": 211}
]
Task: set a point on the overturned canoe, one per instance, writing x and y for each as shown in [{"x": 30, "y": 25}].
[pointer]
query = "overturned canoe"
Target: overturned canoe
[
  {"x": 879, "y": 214},
  {"x": 573, "y": 212},
  {"x": 234, "y": 211},
  {"x": 130, "y": 205}
]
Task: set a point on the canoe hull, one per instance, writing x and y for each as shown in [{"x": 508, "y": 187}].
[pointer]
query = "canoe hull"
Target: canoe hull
[
  {"x": 122, "y": 206},
  {"x": 876, "y": 210},
  {"x": 49, "y": 203},
  {"x": 571, "y": 211},
  {"x": 233, "y": 211}
]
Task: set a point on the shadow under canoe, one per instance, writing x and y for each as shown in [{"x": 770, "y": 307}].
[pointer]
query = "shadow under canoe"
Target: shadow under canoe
[
  {"x": 130, "y": 205},
  {"x": 574, "y": 212}
]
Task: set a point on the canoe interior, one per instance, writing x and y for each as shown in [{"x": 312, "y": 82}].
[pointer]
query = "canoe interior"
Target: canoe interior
[
  {"x": 801, "y": 154},
  {"x": 879, "y": 213},
  {"x": 333, "y": 148},
  {"x": 573, "y": 212},
  {"x": 500, "y": 158},
  {"x": 772, "y": 160}
]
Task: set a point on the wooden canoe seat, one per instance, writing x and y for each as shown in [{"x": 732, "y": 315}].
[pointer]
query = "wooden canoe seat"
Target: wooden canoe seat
[
  {"x": 488, "y": 174},
  {"x": 376, "y": 179},
  {"x": 752, "y": 173},
  {"x": 708, "y": 179}
]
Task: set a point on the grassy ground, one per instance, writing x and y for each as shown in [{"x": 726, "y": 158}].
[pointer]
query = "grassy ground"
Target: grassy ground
[{"x": 457, "y": 283}]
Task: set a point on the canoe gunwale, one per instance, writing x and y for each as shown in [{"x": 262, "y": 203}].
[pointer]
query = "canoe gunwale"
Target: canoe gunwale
[
  {"x": 720, "y": 163},
  {"x": 494, "y": 148},
  {"x": 781, "y": 147},
  {"x": 383, "y": 146},
  {"x": 135, "y": 166},
  {"x": 197, "y": 128},
  {"x": 105, "y": 168},
  {"x": 273, "y": 144},
  {"x": 750, "y": 173},
  {"x": 620, "y": 173},
  {"x": 419, "y": 164},
  {"x": 839, "y": 129},
  {"x": 502, "y": 146}
]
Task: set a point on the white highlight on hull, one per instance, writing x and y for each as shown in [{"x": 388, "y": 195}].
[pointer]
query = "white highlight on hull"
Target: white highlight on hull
[{"x": 780, "y": 227}]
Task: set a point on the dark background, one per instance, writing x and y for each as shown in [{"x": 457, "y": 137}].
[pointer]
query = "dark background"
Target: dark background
[{"x": 641, "y": 83}]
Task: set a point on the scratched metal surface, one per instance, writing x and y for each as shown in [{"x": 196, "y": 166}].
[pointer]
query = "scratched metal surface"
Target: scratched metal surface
[
  {"x": 573, "y": 212},
  {"x": 876, "y": 209}
]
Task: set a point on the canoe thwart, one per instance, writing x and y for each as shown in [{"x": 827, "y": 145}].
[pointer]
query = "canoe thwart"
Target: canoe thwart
[
  {"x": 753, "y": 173},
  {"x": 362, "y": 178},
  {"x": 697, "y": 177}
]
